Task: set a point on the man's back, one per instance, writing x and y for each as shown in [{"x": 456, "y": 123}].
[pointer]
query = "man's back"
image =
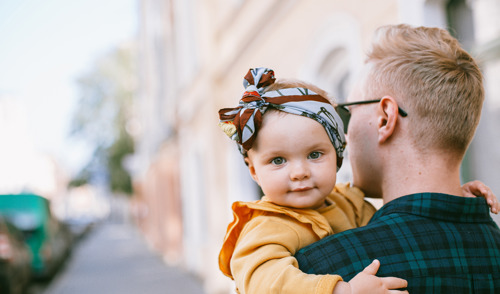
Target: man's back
[{"x": 437, "y": 242}]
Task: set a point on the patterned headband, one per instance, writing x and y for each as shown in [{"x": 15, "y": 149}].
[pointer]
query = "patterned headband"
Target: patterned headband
[{"x": 242, "y": 123}]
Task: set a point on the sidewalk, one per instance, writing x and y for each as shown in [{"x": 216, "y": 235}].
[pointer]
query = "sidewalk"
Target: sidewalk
[{"x": 115, "y": 259}]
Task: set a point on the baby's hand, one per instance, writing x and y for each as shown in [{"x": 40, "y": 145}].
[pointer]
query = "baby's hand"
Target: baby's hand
[
  {"x": 479, "y": 189},
  {"x": 367, "y": 282}
]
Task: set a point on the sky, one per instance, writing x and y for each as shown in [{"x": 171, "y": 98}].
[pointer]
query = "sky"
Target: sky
[{"x": 44, "y": 47}]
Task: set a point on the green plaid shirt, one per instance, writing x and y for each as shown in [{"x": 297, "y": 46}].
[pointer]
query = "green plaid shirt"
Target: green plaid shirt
[{"x": 439, "y": 243}]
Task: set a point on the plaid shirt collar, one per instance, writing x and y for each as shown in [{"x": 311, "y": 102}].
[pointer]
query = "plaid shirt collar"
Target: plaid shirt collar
[{"x": 438, "y": 206}]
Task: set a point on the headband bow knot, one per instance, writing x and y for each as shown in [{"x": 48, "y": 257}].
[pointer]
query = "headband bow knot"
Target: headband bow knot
[{"x": 242, "y": 123}]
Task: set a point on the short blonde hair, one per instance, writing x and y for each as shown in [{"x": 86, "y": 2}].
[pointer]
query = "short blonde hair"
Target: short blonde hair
[{"x": 433, "y": 79}]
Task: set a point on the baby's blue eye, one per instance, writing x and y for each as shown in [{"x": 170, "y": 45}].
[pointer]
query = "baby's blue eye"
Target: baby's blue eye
[
  {"x": 315, "y": 155},
  {"x": 278, "y": 161}
]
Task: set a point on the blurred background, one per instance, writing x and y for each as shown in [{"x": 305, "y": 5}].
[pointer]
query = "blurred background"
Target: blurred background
[{"x": 108, "y": 109}]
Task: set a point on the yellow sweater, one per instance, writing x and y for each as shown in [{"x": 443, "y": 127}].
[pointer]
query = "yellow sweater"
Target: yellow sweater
[{"x": 259, "y": 246}]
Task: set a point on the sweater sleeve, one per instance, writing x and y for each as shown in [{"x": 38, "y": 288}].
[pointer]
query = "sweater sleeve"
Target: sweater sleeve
[{"x": 263, "y": 260}]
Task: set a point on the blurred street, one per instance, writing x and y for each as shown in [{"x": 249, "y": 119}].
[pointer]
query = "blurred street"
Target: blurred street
[{"x": 114, "y": 258}]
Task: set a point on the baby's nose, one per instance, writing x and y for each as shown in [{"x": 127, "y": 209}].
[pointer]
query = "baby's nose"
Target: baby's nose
[{"x": 299, "y": 171}]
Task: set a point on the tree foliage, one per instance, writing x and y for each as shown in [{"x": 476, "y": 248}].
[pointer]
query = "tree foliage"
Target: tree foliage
[{"x": 103, "y": 111}]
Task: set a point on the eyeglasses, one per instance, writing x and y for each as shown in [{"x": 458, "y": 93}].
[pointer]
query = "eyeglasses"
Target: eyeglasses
[{"x": 345, "y": 113}]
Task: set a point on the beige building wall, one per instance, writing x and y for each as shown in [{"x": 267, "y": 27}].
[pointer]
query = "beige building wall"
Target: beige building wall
[{"x": 194, "y": 54}]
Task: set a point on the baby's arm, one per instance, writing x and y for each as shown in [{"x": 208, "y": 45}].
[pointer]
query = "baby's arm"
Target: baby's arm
[
  {"x": 479, "y": 189},
  {"x": 263, "y": 260},
  {"x": 367, "y": 282}
]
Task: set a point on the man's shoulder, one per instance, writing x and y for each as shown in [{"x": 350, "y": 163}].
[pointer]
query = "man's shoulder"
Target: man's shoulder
[
  {"x": 351, "y": 237},
  {"x": 340, "y": 253},
  {"x": 406, "y": 244}
]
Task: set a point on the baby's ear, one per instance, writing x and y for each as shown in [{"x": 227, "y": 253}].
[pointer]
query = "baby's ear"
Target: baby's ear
[{"x": 251, "y": 169}]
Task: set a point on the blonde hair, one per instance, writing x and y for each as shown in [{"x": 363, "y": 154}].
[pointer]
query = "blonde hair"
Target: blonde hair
[{"x": 433, "y": 79}]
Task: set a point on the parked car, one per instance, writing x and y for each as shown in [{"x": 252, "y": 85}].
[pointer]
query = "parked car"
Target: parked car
[
  {"x": 49, "y": 239},
  {"x": 15, "y": 259}
]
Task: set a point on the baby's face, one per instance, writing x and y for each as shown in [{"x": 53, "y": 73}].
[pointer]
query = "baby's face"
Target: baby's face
[{"x": 293, "y": 161}]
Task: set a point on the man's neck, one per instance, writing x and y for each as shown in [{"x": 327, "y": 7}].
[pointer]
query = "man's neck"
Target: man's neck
[{"x": 410, "y": 174}]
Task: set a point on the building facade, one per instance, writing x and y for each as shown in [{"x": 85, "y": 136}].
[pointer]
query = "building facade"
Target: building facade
[{"x": 193, "y": 56}]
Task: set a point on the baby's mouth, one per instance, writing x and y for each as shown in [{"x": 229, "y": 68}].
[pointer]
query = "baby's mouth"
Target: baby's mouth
[{"x": 301, "y": 189}]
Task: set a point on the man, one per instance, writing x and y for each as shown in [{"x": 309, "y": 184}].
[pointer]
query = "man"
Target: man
[{"x": 407, "y": 145}]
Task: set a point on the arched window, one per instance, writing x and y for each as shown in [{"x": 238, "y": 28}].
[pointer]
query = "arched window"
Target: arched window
[{"x": 333, "y": 74}]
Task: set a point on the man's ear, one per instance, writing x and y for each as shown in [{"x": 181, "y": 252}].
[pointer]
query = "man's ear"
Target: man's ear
[
  {"x": 387, "y": 118},
  {"x": 251, "y": 169}
]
